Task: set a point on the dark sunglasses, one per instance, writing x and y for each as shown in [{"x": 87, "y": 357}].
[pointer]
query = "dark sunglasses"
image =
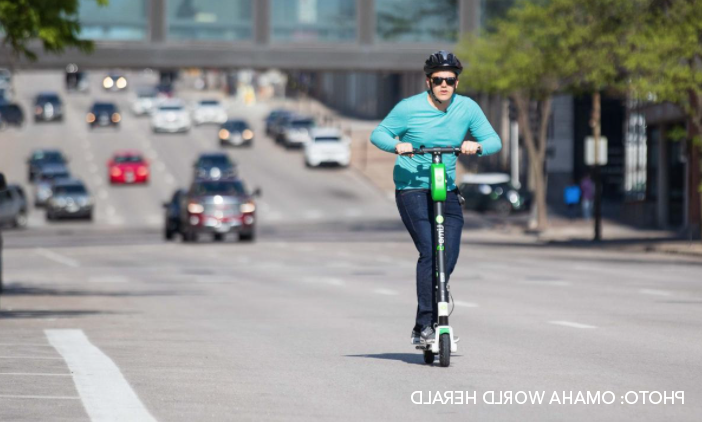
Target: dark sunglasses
[{"x": 449, "y": 81}]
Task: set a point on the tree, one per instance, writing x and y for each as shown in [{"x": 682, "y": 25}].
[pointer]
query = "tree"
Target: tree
[
  {"x": 666, "y": 66},
  {"x": 53, "y": 22},
  {"x": 520, "y": 58}
]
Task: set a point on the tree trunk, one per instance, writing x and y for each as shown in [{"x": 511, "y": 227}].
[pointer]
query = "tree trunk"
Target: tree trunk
[
  {"x": 694, "y": 131},
  {"x": 595, "y": 123},
  {"x": 536, "y": 155}
]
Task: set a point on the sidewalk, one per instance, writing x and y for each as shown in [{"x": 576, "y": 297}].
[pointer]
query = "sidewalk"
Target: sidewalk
[{"x": 377, "y": 166}]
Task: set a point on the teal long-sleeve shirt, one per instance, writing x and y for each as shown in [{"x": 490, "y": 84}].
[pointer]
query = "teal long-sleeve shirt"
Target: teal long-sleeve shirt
[{"x": 416, "y": 121}]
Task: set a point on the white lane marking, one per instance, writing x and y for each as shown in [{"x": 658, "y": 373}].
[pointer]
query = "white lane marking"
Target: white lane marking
[
  {"x": 57, "y": 257},
  {"x": 465, "y": 304},
  {"x": 386, "y": 292},
  {"x": 556, "y": 283},
  {"x": 332, "y": 281},
  {"x": 653, "y": 292},
  {"x": 10, "y": 396},
  {"x": 105, "y": 392},
  {"x": 108, "y": 279},
  {"x": 572, "y": 324},
  {"x": 31, "y": 374}
]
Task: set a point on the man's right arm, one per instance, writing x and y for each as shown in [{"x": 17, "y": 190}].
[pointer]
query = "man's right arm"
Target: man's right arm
[{"x": 394, "y": 125}]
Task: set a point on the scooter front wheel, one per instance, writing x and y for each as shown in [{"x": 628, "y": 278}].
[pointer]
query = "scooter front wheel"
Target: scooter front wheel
[
  {"x": 428, "y": 357},
  {"x": 445, "y": 350}
]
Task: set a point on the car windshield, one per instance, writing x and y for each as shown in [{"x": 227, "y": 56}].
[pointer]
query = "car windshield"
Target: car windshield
[
  {"x": 70, "y": 190},
  {"x": 235, "y": 126},
  {"x": 171, "y": 108},
  {"x": 128, "y": 159},
  {"x": 103, "y": 108},
  {"x": 214, "y": 161},
  {"x": 219, "y": 188},
  {"x": 209, "y": 103},
  {"x": 9, "y": 108},
  {"x": 327, "y": 139},
  {"x": 48, "y": 99},
  {"x": 147, "y": 94},
  {"x": 48, "y": 157},
  {"x": 302, "y": 123},
  {"x": 52, "y": 176}
]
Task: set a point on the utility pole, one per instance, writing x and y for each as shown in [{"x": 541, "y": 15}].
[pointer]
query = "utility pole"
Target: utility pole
[{"x": 596, "y": 129}]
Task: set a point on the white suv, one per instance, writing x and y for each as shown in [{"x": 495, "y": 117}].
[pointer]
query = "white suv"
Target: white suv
[
  {"x": 209, "y": 111},
  {"x": 327, "y": 145},
  {"x": 171, "y": 116}
]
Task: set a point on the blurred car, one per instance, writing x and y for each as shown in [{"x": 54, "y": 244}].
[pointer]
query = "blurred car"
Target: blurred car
[
  {"x": 76, "y": 80},
  {"x": 235, "y": 132},
  {"x": 5, "y": 78},
  {"x": 13, "y": 207},
  {"x": 48, "y": 107},
  {"x": 295, "y": 133},
  {"x": 173, "y": 210},
  {"x": 127, "y": 167},
  {"x": 165, "y": 89},
  {"x": 41, "y": 158},
  {"x": 209, "y": 111},
  {"x": 103, "y": 114},
  {"x": 272, "y": 117},
  {"x": 69, "y": 199},
  {"x": 11, "y": 114},
  {"x": 6, "y": 94},
  {"x": 328, "y": 146},
  {"x": 146, "y": 101},
  {"x": 218, "y": 207},
  {"x": 3, "y": 187},
  {"x": 493, "y": 192},
  {"x": 114, "y": 82},
  {"x": 214, "y": 166},
  {"x": 170, "y": 116},
  {"x": 278, "y": 123},
  {"x": 44, "y": 182}
]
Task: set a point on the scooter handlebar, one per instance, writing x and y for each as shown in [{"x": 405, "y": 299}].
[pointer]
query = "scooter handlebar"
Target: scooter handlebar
[{"x": 440, "y": 150}]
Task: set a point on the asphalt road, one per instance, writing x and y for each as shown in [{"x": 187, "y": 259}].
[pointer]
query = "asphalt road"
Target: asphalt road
[{"x": 106, "y": 321}]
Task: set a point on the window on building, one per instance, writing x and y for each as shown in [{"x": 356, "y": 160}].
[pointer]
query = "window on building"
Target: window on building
[
  {"x": 217, "y": 20},
  {"x": 493, "y": 9},
  {"x": 121, "y": 20},
  {"x": 636, "y": 154},
  {"x": 416, "y": 21},
  {"x": 313, "y": 20}
]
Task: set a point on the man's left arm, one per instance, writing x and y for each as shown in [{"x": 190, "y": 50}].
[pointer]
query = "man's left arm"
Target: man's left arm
[{"x": 482, "y": 131}]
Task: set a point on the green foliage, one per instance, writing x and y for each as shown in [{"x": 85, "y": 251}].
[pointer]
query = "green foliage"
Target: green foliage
[{"x": 53, "y": 22}]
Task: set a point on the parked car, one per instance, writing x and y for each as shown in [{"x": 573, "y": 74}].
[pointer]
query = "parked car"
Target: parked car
[
  {"x": 13, "y": 207},
  {"x": 44, "y": 182},
  {"x": 41, "y": 158},
  {"x": 209, "y": 111},
  {"x": 146, "y": 101},
  {"x": 493, "y": 192},
  {"x": 48, "y": 107},
  {"x": 218, "y": 207},
  {"x": 172, "y": 217},
  {"x": 278, "y": 123},
  {"x": 103, "y": 114},
  {"x": 127, "y": 167},
  {"x": 114, "y": 82},
  {"x": 235, "y": 132},
  {"x": 214, "y": 166},
  {"x": 171, "y": 116},
  {"x": 328, "y": 146},
  {"x": 11, "y": 114},
  {"x": 273, "y": 116},
  {"x": 296, "y": 132},
  {"x": 69, "y": 199}
]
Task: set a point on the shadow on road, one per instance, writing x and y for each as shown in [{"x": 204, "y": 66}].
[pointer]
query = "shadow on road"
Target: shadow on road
[
  {"x": 410, "y": 358},
  {"x": 47, "y": 314}
]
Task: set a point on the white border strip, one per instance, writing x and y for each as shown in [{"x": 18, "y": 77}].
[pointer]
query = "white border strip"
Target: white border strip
[{"x": 105, "y": 393}]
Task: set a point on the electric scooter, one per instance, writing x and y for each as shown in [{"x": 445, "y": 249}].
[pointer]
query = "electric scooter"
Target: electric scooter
[{"x": 444, "y": 343}]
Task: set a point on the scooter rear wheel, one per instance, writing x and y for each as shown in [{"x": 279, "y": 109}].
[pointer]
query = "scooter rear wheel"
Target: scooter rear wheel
[
  {"x": 445, "y": 350},
  {"x": 428, "y": 357}
]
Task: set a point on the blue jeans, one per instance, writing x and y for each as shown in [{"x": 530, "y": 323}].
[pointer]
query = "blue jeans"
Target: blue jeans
[{"x": 417, "y": 212}]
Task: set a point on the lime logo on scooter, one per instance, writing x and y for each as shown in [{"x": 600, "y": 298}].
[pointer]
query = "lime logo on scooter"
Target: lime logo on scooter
[{"x": 440, "y": 230}]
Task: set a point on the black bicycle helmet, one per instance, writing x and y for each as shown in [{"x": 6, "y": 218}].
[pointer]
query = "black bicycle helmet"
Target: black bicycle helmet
[{"x": 442, "y": 60}]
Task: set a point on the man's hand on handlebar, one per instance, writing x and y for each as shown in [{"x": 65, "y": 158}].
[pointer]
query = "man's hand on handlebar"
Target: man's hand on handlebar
[
  {"x": 470, "y": 148},
  {"x": 404, "y": 148}
]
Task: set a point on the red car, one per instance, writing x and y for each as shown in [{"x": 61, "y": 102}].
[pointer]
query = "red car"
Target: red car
[{"x": 128, "y": 167}]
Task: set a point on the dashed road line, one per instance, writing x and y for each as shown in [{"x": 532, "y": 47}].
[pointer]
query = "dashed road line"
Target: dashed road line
[
  {"x": 572, "y": 324},
  {"x": 654, "y": 292},
  {"x": 465, "y": 304},
  {"x": 106, "y": 394},
  {"x": 386, "y": 292},
  {"x": 57, "y": 257}
]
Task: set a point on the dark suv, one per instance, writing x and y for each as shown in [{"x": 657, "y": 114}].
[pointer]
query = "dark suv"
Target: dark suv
[
  {"x": 103, "y": 114},
  {"x": 13, "y": 207},
  {"x": 493, "y": 192},
  {"x": 218, "y": 207},
  {"x": 41, "y": 158},
  {"x": 11, "y": 114},
  {"x": 214, "y": 166},
  {"x": 48, "y": 107}
]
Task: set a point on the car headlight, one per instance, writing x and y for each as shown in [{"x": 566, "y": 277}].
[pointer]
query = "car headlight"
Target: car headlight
[
  {"x": 121, "y": 82},
  {"x": 485, "y": 189},
  {"x": 116, "y": 117},
  {"x": 248, "y": 134},
  {"x": 513, "y": 196},
  {"x": 195, "y": 208},
  {"x": 248, "y": 207},
  {"x": 224, "y": 134},
  {"x": 108, "y": 83},
  {"x": 90, "y": 118}
]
